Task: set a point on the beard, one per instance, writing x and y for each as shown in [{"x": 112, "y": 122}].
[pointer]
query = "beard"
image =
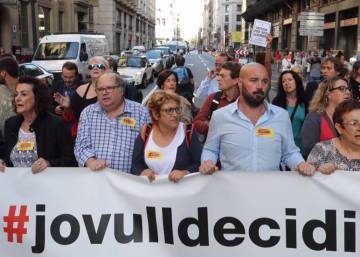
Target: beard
[{"x": 255, "y": 99}]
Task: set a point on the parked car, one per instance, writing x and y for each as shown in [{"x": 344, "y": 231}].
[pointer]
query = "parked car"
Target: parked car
[
  {"x": 167, "y": 55},
  {"x": 137, "y": 67},
  {"x": 156, "y": 60},
  {"x": 33, "y": 70}
]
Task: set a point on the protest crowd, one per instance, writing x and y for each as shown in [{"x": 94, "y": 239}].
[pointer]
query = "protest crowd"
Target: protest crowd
[{"x": 312, "y": 125}]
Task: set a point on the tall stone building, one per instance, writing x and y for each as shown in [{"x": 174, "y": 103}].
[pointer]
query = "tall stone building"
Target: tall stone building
[
  {"x": 167, "y": 21},
  {"x": 221, "y": 18},
  {"x": 126, "y": 23},
  {"x": 341, "y": 28},
  {"x": 24, "y": 22}
]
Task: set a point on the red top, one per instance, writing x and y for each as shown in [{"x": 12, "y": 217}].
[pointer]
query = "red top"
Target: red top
[
  {"x": 277, "y": 56},
  {"x": 201, "y": 121},
  {"x": 326, "y": 131}
]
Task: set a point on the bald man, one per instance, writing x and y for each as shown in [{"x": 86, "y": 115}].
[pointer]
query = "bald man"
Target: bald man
[{"x": 251, "y": 134}]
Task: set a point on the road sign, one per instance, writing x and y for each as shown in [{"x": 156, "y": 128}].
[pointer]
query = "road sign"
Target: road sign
[
  {"x": 311, "y": 33},
  {"x": 312, "y": 23},
  {"x": 244, "y": 52}
]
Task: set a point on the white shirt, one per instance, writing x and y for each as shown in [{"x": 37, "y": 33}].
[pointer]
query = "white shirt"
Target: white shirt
[{"x": 162, "y": 159}]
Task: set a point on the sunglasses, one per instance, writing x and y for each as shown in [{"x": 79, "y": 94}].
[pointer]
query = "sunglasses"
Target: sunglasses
[{"x": 96, "y": 65}]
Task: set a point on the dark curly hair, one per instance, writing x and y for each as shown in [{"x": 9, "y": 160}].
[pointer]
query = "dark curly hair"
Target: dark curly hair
[
  {"x": 280, "y": 99},
  {"x": 42, "y": 99}
]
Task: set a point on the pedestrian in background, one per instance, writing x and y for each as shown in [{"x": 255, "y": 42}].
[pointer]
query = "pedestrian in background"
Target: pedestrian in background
[
  {"x": 354, "y": 81},
  {"x": 85, "y": 94},
  {"x": 168, "y": 80},
  {"x": 9, "y": 73}
]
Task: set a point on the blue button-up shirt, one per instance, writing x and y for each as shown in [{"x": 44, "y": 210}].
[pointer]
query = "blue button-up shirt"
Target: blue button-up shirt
[
  {"x": 110, "y": 140},
  {"x": 207, "y": 87},
  {"x": 242, "y": 146}
]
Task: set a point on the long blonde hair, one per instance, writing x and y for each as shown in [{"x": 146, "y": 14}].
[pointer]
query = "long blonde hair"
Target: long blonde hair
[{"x": 320, "y": 99}]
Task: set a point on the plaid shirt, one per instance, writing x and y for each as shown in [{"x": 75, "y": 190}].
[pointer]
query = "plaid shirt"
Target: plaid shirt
[{"x": 110, "y": 140}]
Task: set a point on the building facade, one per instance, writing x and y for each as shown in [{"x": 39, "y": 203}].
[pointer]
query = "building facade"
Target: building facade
[
  {"x": 167, "y": 21},
  {"x": 341, "y": 28},
  {"x": 23, "y": 23},
  {"x": 126, "y": 23},
  {"x": 221, "y": 19}
]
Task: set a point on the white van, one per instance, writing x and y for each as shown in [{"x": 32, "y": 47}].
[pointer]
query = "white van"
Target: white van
[{"x": 56, "y": 49}]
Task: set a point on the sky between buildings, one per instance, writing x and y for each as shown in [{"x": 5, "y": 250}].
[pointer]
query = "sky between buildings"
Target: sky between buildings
[{"x": 191, "y": 17}]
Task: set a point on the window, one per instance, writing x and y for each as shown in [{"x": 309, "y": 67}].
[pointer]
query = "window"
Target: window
[
  {"x": 61, "y": 20},
  {"x": 226, "y": 8},
  {"x": 226, "y": 18},
  {"x": 57, "y": 51},
  {"x": 239, "y": 8},
  {"x": 238, "y": 27},
  {"x": 226, "y": 28},
  {"x": 238, "y": 17}
]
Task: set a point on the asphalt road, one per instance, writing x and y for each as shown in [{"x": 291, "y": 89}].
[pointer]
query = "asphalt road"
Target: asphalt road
[{"x": 200, "y": 65}]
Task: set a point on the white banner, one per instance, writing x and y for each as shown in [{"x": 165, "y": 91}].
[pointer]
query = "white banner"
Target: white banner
[{"x": 72, "y": 212}]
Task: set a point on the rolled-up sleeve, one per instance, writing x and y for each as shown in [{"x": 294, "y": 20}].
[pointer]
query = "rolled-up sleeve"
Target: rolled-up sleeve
[{"x": 83, "y": 148}]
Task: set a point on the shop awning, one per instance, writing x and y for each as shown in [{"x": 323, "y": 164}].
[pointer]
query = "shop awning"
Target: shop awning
[{"x": 258, "y": 9}]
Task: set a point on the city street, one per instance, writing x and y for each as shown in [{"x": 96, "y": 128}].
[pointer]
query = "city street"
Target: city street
[{"x": 200, "y": 65}]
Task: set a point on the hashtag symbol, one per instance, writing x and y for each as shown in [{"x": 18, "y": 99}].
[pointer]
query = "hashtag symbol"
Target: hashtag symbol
[{"x": 12, "y": 220}]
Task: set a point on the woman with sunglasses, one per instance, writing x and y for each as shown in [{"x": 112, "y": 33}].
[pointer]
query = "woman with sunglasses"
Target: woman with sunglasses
[
  {"x": 342, "y": 152},
  {"x": 318, "y": 125},
  {"x": 167, "y": 146},
  {"x": 85, "y": 94}
]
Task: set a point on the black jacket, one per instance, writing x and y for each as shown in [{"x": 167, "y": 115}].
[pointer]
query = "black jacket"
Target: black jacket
[{"x": 53, "y": 139}]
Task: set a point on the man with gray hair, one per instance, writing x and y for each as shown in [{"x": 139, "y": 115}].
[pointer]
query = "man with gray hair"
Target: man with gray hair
[{"x": 108, "y": 129}]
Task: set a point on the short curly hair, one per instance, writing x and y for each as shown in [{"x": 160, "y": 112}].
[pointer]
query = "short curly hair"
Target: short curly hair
[{"x": 158, "y": 99}]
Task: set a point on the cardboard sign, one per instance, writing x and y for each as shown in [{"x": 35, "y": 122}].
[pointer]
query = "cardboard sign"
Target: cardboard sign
[{"x": 259, "y": 33}]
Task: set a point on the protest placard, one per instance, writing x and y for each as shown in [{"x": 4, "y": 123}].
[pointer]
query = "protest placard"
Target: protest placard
[{"x": 259, "y": 32}]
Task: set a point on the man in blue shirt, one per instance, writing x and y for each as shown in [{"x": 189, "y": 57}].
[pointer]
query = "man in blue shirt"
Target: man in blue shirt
[
  {"x": 251, "y": 134},
  {"x": 210, "y": 84},
  {"x": 108, "y": 128}
]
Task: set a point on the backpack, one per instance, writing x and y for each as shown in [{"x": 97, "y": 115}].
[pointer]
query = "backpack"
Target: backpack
[
  {"x": 215, "y": 103},
  {"x": 184, "y": 88},
  {"x": 147, "y": 128},
  {"x": 182, "y": 74}
]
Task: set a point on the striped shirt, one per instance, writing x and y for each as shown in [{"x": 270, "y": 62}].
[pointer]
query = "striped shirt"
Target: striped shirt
[{"x": 111, "y": 140}]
